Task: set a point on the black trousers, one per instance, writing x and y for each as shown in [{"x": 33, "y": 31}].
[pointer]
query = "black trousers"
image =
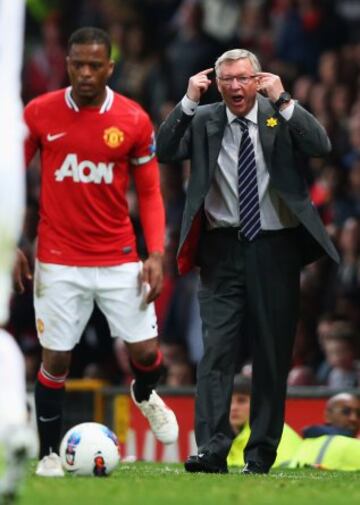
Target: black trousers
[{"x": 258, "y": 282}]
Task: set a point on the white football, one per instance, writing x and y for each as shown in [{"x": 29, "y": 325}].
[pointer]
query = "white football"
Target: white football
[{"x": 90, "y": 449}]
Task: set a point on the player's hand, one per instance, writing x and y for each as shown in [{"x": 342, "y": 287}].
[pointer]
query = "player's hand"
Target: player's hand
[
  {"x": 21, "y": 271},
  {"x": 198, "y": 85},
  {"x": 270, "y": 85},
  {"x": 152, "y": 276}
]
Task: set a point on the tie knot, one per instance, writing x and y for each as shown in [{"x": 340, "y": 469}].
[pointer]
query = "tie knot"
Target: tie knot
[{"x": 243, "y": 123}]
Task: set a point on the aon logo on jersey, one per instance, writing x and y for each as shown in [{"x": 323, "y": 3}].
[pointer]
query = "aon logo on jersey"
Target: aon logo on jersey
[{"x": 85, "y": 171}]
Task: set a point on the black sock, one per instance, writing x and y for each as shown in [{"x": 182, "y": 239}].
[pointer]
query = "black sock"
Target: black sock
[
  {"x": 49, "y": 405},
  {"x": 146, "y": 377}
]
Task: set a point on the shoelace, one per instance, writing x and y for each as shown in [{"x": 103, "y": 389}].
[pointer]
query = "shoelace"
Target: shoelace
[{"x": 156, "y": 415}]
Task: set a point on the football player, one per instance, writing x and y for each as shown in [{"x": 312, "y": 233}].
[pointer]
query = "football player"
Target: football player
[{"x": 91, "y": 141}]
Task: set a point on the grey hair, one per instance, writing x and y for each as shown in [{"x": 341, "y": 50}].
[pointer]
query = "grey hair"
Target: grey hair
[{"x": 237, "y": 54}]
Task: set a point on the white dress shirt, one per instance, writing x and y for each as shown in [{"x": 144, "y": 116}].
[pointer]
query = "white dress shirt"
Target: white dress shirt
[{"x": 222, "y": 201}]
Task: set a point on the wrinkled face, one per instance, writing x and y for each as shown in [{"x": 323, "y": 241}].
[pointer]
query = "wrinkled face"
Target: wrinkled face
[
  {"x": 239, "y": 411},
  {"x": 89, "y": 68},
  {"x": 345, "y": 414},
  {"x": 238, "y": 85}
]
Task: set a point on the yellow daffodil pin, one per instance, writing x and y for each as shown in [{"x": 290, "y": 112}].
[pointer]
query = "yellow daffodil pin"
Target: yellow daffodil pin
[{"x": 271, "y": 122}]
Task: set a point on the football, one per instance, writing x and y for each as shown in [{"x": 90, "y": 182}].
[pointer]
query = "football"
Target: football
[{"x": 90, "y": 449}]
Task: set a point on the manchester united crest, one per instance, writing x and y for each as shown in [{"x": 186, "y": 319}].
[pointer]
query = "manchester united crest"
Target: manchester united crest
[
  {"x": 40, "y": 325},
  {"x": 113, "y": 137}
]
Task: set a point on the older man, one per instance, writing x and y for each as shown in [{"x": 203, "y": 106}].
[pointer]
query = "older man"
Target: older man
[
  {"x": 342, "y": 417},
  {"x": 250, "y": 226},
  {"x": 332, "y": 446}
]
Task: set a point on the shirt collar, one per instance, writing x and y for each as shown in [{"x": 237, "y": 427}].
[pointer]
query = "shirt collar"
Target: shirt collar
[
  {"x": 251, "y": 115},
  {"x": 106, "y": 105}
]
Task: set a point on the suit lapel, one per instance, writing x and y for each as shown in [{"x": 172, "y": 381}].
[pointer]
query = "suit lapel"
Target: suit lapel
[
  {"x": 267, "y": 131},
  {"x": 215, "y": 131},
  {"x": 268, "y": 125}
]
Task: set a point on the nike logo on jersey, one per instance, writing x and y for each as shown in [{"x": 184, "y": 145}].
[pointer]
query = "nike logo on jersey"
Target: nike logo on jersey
[
  {"x": 48, "y": 419},
  {"x": 56, "y": 136},
  {"x": 86, "y": 171}
]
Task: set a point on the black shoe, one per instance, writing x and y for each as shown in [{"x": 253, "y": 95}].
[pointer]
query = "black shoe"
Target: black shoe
[
  {"x": 252, "y": 467},
  {"x": 206, "y": 463}
]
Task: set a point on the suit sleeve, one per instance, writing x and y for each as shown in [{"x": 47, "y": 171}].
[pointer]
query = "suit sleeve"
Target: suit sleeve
[
  {"x": 174, "y": 137},
  {"x": 147, "y": 184},
  {"x": 308, "y": 134}
]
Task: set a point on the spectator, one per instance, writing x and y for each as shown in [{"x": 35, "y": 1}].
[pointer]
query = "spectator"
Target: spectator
[
  {"x": 239, "y": 421},
  {"x": 339, "y": 371},
  {"x": 328, "y": 452},
  {"x": 348, "y": 276},
  {"x": 134, "y": 65},
  {"x": 45, "y": 70},
  {"x": 180, "y": 373},
  {"x": 301, "y": 375},
  {"x": 190, "y": 50},
  {"x": 332, "y": 446},
  {"x": 342, "y": 417}
]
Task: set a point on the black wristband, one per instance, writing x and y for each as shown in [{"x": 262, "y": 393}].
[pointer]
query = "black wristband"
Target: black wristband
[{"x": 284, "y": 97}]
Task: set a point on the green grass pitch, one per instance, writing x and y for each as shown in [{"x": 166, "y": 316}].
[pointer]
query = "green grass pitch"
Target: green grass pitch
[{"x": 158, "y": 484}]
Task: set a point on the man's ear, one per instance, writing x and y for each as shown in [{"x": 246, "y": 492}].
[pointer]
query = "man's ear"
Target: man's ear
[{"x": 111, "y": 68}]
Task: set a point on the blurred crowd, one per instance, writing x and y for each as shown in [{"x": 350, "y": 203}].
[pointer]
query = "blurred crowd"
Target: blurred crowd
[{"x": 314, "y": 45}]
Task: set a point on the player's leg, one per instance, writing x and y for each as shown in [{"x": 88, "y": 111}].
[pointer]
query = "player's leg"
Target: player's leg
[
  {"x": 17, "y": 439},
  {"x": 63, "y": 305},
  {"x": 147, "y": 365},
  {"x": 49, "y": 401},
  {"x": 136, "y": 324}
]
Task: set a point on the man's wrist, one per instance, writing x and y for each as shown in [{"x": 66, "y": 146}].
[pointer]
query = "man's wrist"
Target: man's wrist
[
  {"x": 189, "y": 106},
  {"x": 284, "y": 106},
  {"x": 287, "y": 112},
  {"x": 283, "y": 99},
  {"x": 156, "y": 254}
]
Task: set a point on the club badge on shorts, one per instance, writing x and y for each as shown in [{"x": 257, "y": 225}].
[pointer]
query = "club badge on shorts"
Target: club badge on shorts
[{"x": 40, "y": 325}]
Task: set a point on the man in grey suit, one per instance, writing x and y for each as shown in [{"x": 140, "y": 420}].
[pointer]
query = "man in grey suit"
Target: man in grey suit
[{"x": 250, "y": 226}]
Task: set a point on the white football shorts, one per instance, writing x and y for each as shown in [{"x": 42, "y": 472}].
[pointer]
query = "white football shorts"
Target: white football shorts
[{"x": 64, "y": 299}]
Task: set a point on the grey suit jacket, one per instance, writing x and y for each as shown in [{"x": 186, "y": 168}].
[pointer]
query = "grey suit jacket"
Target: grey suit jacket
[{"x": 284, "y": 144}]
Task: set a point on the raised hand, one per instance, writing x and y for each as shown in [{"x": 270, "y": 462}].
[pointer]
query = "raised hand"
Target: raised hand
[
  {"x": 198, "y": 85},
  {"x": 270, "y": 84}
]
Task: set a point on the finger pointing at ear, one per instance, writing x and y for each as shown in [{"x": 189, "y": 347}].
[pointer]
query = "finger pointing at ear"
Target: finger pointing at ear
[
  {"x": 271, "y": 84},
  {"x": 199, "y": 84}
]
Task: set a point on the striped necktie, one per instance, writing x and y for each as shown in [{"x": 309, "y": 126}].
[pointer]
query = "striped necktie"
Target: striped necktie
[{"x": 249, "y": 206}]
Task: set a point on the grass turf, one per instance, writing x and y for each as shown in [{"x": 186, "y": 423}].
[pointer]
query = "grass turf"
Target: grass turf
[{"x": 157, "y": 484}]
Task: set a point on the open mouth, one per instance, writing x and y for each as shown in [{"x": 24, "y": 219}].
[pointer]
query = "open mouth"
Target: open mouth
[{"x": 237, "y": 99}]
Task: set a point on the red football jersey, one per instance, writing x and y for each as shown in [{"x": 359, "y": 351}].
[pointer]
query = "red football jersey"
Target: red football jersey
[{"x": 86, "y": 158}]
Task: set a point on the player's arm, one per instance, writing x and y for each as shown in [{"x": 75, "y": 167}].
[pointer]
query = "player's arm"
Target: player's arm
[
  {"x": 21, "y": 271},
  {"x": 151, "y": 208}
]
